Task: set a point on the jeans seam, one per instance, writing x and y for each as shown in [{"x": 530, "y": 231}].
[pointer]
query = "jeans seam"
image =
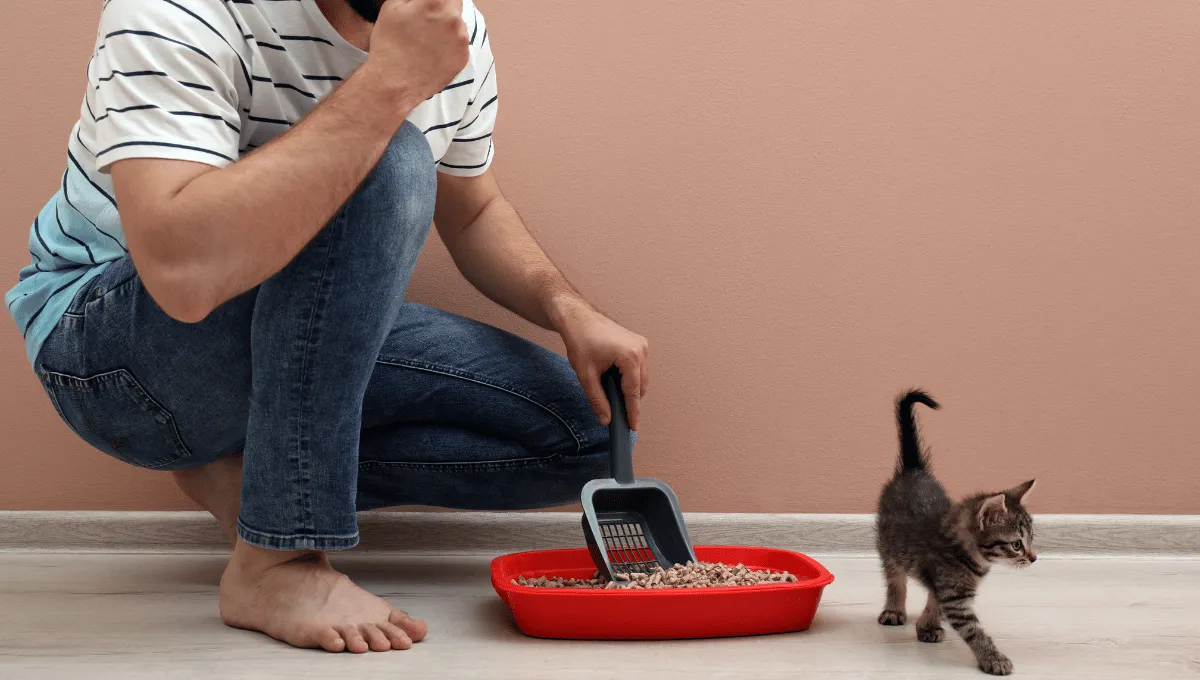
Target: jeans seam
[
  {"x": 58, "y": 408},
  {"x": 79, "y": 304},
  {"x": 507, "y": 464},
  {"x": 305, "y": 499},
  {"x": 90, "y": 300},
  {"x": 480, "y": 380}
]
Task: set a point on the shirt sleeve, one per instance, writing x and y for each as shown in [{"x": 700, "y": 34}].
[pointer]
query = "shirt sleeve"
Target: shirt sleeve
[
  {"x": 165, "y": 82},
  {"x": 471, "y": 151}
]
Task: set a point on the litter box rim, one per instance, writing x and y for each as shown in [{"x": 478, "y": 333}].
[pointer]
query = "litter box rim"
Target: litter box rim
[{"x": 660, "y": 614}]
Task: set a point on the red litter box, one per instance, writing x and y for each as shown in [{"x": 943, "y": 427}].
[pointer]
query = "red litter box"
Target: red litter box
[{"x": 660, "y": 614}]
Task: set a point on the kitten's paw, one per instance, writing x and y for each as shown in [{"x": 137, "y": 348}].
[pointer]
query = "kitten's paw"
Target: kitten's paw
[
  {"x": 931, "y": 634},
  {"x": 891, "y": 617},
  {"x": 995, "y": 664}
]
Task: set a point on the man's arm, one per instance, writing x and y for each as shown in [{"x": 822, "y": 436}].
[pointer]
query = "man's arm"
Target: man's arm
[
  {"x": 200, "y": 235},
  {"x": 497, "y": 254}
]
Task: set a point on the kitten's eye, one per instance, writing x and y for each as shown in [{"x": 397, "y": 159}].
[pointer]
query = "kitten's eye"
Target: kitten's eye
[{"x": 1016, "y": 545}]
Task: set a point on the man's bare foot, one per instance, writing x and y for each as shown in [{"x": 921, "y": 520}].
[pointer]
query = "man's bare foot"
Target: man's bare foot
[
  {"x": 217, "y": 487},
  {"x": 300, "y": 599}
]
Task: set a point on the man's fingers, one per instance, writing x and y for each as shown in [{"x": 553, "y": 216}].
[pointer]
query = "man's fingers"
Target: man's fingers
[
  {"x": 631, "y": 386},
  {"x": 590, "y": 381},
  {"x": 645, "y": 369}
]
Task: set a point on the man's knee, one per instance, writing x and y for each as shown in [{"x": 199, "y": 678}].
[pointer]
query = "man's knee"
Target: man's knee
[
  {"x": 388, "y": 218},
  {"x": 402, "y": 188}
]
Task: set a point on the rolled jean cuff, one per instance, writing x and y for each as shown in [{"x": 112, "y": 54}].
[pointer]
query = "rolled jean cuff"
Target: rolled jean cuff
[{"x": 271, "y": 541}]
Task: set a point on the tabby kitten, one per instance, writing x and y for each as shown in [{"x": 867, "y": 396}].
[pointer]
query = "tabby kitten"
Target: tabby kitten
[{"x": 948, "y": 547}]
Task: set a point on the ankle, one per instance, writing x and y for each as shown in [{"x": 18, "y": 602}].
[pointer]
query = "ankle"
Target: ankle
[{"x": 252, "y": 559}]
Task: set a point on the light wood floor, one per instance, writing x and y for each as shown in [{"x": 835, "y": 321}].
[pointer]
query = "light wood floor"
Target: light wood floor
[{"x": 155, "y": 616}]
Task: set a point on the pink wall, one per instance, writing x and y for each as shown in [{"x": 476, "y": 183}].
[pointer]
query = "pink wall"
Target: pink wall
[{"x": 805, "y": 209}]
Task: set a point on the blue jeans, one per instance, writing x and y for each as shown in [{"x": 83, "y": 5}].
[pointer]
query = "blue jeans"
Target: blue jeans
[{"x": 341, "y": 395}]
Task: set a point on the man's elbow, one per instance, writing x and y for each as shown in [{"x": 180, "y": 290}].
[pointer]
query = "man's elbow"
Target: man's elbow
[
  {"x": 185, "y": 310},
  {"x": 178, "y": 289}
]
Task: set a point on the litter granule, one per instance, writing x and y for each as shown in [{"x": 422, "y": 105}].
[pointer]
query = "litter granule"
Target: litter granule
[{"x": 690, "y": 575}]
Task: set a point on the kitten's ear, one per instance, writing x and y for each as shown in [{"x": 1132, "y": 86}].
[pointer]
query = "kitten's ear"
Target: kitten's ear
[
  {"x": 1021, "y": 492},
  {"x": 991, "y": 509}
]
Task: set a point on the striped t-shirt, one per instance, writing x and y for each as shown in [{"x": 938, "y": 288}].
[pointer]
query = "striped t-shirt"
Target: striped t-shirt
[{"x": 208, "y": 81}]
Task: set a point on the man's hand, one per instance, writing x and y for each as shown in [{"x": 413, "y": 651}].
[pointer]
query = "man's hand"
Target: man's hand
[
  {"x": 419, "y": 46},
  {"x": 594, "y": 344}
]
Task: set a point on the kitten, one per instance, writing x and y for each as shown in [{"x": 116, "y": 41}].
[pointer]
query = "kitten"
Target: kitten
[{"x": 948, "y": 547}]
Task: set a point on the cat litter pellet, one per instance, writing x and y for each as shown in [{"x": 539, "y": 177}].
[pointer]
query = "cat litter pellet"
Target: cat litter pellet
[{"x": 691, "y": 575}]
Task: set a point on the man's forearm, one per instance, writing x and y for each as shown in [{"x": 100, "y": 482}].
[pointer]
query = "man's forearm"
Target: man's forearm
[
  {"x": 228, "y": 230},
  {"x": 498, "y": 255}
]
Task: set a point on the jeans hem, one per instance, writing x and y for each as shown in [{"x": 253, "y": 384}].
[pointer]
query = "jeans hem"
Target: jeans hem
[{"x": 295, "y": 541}]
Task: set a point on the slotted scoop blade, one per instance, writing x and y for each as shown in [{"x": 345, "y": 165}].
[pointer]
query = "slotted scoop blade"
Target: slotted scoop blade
[{"x": 631, "y": 525}]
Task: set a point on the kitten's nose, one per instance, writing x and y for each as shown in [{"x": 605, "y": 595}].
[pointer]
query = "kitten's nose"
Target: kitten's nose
[{"x": 1032, "y": 557}]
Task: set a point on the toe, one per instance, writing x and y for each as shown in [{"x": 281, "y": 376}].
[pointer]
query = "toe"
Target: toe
[
  {"x": 376, "y": 640},
  {"x": 415, "y": 628},
  {"x": 396, "y": 635},
  {"x": 354, "y": 640},
  {"x": 330, "y": 640}
]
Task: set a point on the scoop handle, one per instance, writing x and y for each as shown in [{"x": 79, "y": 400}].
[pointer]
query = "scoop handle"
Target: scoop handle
[{"x": 620, "y": 440}]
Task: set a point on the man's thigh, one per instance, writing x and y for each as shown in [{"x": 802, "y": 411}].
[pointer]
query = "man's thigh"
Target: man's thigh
[
  {"x": 147, "y": 389},
  {"x": 441, "y": 369},
  {"x": 462, "y": 415}
]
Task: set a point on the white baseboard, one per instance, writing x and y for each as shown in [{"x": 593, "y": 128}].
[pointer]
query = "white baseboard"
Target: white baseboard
[{"x": 496, "y": 533}]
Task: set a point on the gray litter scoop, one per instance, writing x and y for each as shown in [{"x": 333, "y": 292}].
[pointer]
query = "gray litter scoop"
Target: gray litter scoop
[{"x": 631, "y": 525}]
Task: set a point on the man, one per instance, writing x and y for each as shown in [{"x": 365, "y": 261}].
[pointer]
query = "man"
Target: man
[{"x": 223, "y": 270}]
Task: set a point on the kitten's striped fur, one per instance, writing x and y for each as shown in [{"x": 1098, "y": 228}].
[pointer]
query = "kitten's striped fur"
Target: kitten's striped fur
[{"x": 948, "y": 547}]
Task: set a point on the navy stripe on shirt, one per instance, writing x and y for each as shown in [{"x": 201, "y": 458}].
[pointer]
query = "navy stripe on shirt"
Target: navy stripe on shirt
[
  {"x": 140, "y": 74},
  {"x": 114, "y": 147},
  {"x": 470, "y": 167},
  {"x": 241, "y": 62},
  {"x": 443, "y": 126},
  {"x": 148, "y": 107},
  {"x": 58, "y": 218},
  {"x": 481, "y": 110},
  {"x": 37, "y": 232},
  {"x": 160, "y": 36},
  {"x": 104, "y": 193}
]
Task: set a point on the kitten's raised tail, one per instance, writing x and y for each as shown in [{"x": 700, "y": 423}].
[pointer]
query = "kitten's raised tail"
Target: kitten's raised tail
[{"x": 911, "y": 457}]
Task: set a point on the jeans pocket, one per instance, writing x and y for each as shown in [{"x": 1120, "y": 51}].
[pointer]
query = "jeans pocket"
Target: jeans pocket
[{"x": 112, "y": 412}]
